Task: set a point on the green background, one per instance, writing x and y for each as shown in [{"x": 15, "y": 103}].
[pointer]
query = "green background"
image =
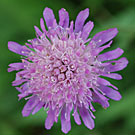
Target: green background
[{"x": 17, "y": 18}]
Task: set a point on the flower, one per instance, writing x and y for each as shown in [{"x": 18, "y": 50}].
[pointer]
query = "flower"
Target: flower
[{"x": 62, "y": 69}]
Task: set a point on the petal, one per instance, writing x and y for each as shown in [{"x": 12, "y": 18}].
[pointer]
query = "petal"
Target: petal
[
  {"x": 49, "y": 17},
  {"x": 23, "y": 88},
  {"x": 111, "y": 93},
  {"x": 42, "y": 25},
  {"x": 86, "y": 117},
  {"x": 22, "y": 95},
  {"x": 106, "y": 83},
  {"x": 15, "y": 66},
  {"x": 113, "y": 76},
  {"x": 64, "y": 18},
  {"x": 98, "y": 98},
  {"x": 119, "y": 65},
  {"x": 82, "y": 16},
  {"x": 65, "y": 124},
  {"x": 14, "y": 47},
  {"x": 87, "y": 29},
  {"x": 38, "y": 107},
  {"x": 100, "y": 49},
  {"x": 17, "y": 48},
  {"x": 110, "y": 55},
  {"x": 38, "y": 31},
  {"x": 104, "y": 36},
  {"x": 33, "y": 101},
  {"x": 76, "y": 116},
  {"x": 19, "y": 81},
  {"x": 71, "y": 27},
  {"x": 50, "y": 119}
]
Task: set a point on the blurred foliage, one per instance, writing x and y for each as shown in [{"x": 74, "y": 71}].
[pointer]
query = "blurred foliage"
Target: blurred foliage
[{"x": 17, "y": 18}]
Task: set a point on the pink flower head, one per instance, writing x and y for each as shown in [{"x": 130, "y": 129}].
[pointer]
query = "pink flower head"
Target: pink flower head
[{"x": 62, "y": 73}]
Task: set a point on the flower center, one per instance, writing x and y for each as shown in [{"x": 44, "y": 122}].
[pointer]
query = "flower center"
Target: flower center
[{"x": 62, "y": 70}]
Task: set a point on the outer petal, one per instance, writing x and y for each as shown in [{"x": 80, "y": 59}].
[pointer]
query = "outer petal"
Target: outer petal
[
  {"x": 110, "y": 55},
  {"x": 64, "y": 18},
  {"x": 42, "y": 25},
  {"x": 111, "y": 93},
  {"x": 50, "y": 119},
  {"x": 19, "y": 81},
  {"x": 23, "y": 88},
  {"x": 86, "y": 117},
  {"x": 104, "y": 36},
  {"x": 100, "y": 49},
  {"x": 113, "y": 76},
  {"x": 119, "y": 65},
  {"x": 65, "y": 124},
  {"x": 82, "y": 16},
  {"x": 71, "y": 27},
  {"x": 49, "y": 17},
  {"x": 98, "y": 98},
  {"x": 38, "y": 107},
  {"x": 15, "y": 66},
  {"x": 87, "y": 29},
  {"x": 17, "y": 48},
  {"x": 29, "y": 106},
  {"x": 105, "y": 83},
  {"x": 39, "y": 33},
  {"x": 76, "y": 116},
  {"x": 22, "y": 95}
]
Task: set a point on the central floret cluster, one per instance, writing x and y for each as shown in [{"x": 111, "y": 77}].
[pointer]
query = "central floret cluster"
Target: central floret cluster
[{"x": 62, "y": 71}]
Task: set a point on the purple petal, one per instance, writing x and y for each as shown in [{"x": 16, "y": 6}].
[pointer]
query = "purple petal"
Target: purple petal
[
  {"x": 76, "y": 116},
  {"x": 111, "y": 93},
  {"x": 87, "y": 29},
  {"x": 100, "y": 49},
  {"x": 104, "y": 36},
  {"x": 106, "y": 83},
  {"x": 38, "y": 31},
  {"x": 38, "y": 107},
  {"x": 110, "y": 55},
  {"x": 22, "y": 95},
  {"x": 86, "y": 117},
  {"x": 19, "y": 81},
  {"x": 19, "y": 89},
  {"x": 82, "y": 16},
  {"x": 64, "y": 18},
  {"x": 49, "y": 17},
  {"x": 119, "y": 65},
  {"x": 71, "y": 27},
  {"x": 98, "y": 98},
  {"x": 50, "y": 119},
  {"x": 113, "y": 76},
  {"x": 42, "y": 25},
  {"x": 33, "y": 101},
  {"x": 15, "y": 66},
  {"x": 25, "y": 87},
  {"x": 17, "y": 48},
  {"x": 22, "y": 88},
  {"x": 65, "y": 124}
]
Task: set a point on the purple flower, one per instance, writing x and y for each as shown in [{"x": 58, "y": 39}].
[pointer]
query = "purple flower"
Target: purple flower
[{"x": 62, "y": 73}]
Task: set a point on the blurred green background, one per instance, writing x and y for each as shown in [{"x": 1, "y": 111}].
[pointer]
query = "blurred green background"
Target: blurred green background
[{"x": 17, "y": 18}]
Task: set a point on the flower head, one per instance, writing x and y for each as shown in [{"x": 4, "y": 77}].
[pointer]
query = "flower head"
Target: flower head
[{"x": 62, "y": 73}]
